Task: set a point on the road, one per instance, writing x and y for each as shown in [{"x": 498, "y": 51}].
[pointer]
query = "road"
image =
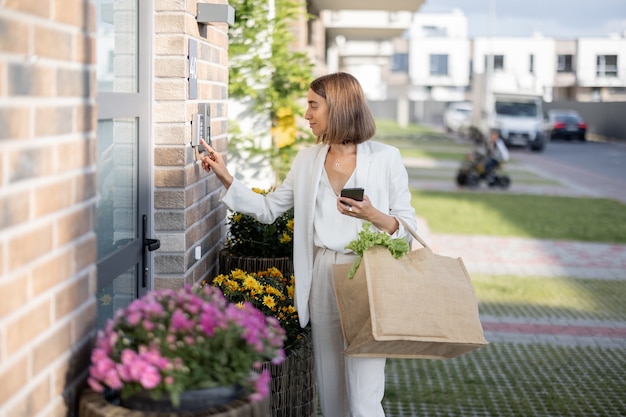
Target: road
[{"x": 596, "y": 167}]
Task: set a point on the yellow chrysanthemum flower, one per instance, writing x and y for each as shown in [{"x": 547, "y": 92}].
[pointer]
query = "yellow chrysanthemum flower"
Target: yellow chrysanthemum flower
[
  {"x": 276, "y": 292},
  {"x": 250, "y": 282},
  {"x": 238, "y": 274},
  {"x": 237, "y": 217},
  {"x": 269, "y": 301},
  {"x": 290, "y": 225},
  {"x": 285, "y": 238}
]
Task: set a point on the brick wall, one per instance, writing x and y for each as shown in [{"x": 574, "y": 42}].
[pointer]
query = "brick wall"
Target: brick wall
[
  {"x": 47, "y": 186},
  {"x": 186, "y": 199},
  {"x": 47, "y": 200}
]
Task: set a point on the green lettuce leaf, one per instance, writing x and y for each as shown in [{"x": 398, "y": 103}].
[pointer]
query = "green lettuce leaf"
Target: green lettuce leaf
[{"x": 368, "y": 237}]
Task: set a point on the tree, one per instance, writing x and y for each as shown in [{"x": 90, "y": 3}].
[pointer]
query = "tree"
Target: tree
[{"x": 266, "y": 73}]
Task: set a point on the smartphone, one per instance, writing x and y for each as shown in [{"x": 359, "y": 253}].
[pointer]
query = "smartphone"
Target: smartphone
[{"x": 353, "y": 193}]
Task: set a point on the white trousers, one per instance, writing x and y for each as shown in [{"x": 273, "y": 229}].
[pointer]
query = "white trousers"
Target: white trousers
[{"x": 347, "y": 386}]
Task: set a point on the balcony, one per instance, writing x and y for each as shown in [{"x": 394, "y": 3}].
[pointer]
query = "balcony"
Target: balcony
[
  {"x": 365, "y": 24},
  {"x": 390, "y": 5}
]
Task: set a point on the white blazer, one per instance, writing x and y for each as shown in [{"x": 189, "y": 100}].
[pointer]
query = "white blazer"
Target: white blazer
[{"x": 379, "y": 170}]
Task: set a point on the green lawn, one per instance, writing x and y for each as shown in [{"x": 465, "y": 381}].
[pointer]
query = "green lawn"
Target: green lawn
[
  {"x": 518, "y": 215},
  {"x": 565, "y": 298}
]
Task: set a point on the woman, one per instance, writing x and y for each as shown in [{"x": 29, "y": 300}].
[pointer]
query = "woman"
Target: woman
[{"x": 325, "y": 222}]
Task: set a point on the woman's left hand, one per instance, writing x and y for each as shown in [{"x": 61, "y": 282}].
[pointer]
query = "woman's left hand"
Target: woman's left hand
[
  {"x": 354, "y": 208},
  {"x": 366, "y": 211}
]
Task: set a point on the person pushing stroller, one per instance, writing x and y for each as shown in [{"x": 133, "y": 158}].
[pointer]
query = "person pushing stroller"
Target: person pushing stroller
[
  {"x": 495, "y": 153},
  {"x": 482, "y": 163}
]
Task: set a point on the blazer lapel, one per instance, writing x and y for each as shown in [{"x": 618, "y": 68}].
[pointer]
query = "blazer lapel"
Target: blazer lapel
[{"x": 363, "y": 161}]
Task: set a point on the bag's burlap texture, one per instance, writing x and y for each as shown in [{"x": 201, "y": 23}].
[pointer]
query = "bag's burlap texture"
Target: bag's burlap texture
[{"x": 420, "y": 306}]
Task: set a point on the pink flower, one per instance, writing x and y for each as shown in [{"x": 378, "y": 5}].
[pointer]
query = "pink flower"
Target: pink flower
[
  {"x": 150, "y": 378},
  {"x": 261, "y": 386},
  {"x": 180, "y": 321},
  {"x": 112, "y": 379},
  {"x": 95, "y": 384}
]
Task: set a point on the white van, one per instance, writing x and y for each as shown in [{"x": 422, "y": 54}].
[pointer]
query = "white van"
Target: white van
[{"x": 519, "y": 119}]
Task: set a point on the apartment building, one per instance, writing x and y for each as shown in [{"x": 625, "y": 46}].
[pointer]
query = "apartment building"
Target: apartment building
[
  {"x": 442, "y": 62},
  {"x": 439, "y": 57}
]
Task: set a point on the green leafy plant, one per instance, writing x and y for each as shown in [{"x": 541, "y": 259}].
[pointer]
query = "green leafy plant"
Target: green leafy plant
[
  {"x": 249, "y": 237},
  {"x": 398, "y": 247}
]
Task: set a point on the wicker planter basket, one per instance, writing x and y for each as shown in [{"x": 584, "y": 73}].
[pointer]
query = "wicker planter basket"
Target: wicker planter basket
[
  {"x": 294, "y": 390},
  {"x": 93, "y": 404},
  {"x": 229, "y": 262}
]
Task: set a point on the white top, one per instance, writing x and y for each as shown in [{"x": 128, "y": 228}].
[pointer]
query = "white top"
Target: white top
[{"x": 332, "y": 230}]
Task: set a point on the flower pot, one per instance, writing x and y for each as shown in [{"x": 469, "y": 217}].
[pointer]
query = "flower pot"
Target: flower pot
[
  {"x": 192, "y": 400},
  {"x": 229, "y": 262},
  {"x": 93, "y": 404}
]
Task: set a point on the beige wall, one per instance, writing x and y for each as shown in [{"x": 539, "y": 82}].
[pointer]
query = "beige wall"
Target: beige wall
[{"x": 47, "y": 186}]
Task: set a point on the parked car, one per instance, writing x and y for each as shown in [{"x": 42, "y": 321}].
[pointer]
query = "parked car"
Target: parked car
[
  {"x": 456, "y": 117},
  {"x": 565, "y": 124}
]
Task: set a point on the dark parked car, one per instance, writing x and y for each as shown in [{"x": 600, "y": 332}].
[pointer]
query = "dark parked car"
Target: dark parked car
[{"x": 566, "y": 124}]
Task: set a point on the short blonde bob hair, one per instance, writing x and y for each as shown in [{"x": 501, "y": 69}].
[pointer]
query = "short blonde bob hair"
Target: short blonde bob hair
[{"x": 349, "y": 118}]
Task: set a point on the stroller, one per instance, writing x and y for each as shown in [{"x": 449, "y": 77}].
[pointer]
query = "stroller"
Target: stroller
[{"x": 473, "y": 171}]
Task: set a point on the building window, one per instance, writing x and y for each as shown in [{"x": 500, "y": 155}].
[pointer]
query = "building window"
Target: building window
[
  {"x": 498, "y": 62},
  {"x": 435, "y": 31},
  {"x": 531, "y": 64},
  {"x": 439, "y": 65},
  {"x": 606, "y": 65},
  {"x": 564, "y": 63},
  {"x": 400, "y": 62}
]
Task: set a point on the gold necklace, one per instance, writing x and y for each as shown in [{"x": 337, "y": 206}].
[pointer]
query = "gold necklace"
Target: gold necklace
[{"x": 338, "y": 161}]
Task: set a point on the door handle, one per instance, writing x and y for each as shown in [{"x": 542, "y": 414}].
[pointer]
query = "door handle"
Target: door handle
[
  {"x": 152, "y": 244},
  {"x": 149, "y": 245}
]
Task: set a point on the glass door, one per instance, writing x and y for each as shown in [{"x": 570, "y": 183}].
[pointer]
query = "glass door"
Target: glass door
[{"x": 123, "y": 209}]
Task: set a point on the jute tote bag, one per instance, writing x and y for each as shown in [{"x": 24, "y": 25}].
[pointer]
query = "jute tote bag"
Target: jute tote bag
[{"x": 420, "y": 306}]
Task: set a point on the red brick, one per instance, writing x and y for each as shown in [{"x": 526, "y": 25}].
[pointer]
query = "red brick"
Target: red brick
[
  {"x": 34, "y": 7},
  {"x": 52, "y": 121},
  {"x": 33, "y": 401},
  {"x": 29, "y": 245},
  {"x": 14, "y": 377},
  {"x": 13, "y": 36},
  {"x": 15, "y": 122},
  {"x": 71, "y": 297},
  {"x": 18, "y": 290},
  {"x": 14, "y": 209},
  {"x": 46, "y": 275},
  {"x": 51, "y": 348},
  {"x": 74, "y": 225},
  {"x": 28, "y": 325},
  {"x": 51, "y": 197},
  {"x": 76, "y": 13},
  {"x": 52, "y": 43}
]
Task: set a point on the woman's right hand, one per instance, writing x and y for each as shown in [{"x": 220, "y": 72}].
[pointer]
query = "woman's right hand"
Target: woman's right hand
[{"x": 214, "y": 161}]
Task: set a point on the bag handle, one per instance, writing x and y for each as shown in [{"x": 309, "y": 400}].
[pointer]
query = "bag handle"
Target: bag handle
[{"x": 413, "y": 233}]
